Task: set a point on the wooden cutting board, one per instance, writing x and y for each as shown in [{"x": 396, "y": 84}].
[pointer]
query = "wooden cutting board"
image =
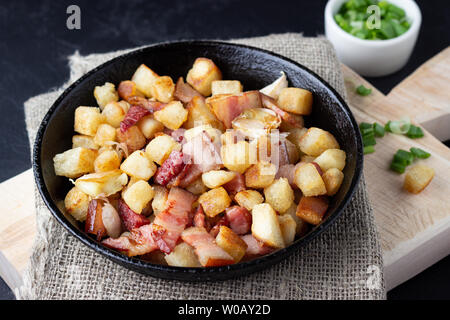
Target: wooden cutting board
[{"x": 414, "y": 229}]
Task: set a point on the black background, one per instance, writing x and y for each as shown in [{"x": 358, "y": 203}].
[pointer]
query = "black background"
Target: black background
[{"x": 35, "y": 43}]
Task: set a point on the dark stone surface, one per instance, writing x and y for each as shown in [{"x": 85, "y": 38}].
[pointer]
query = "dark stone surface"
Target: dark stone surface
[{"x": 34, "y": 44}]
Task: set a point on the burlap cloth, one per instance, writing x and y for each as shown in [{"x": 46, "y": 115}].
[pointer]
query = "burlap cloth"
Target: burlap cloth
[{"x": 336, "y": 265}]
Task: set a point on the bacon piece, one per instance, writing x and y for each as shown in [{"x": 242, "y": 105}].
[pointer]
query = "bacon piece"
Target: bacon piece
[
  {"x": 135, "y": 243},
  {"x": 222, "y": 222},
  {"x": 134, "y": 114},
  {"x": 190, "y": 173},
  {"x": 236, "y": 185},
  {"x": 271, "y": 104},
  {"x": 239, "y": 218},
  {"x": 255, "y": 247},
  {"x": 170, "y": 168},
  {"x": 199, "y": 218},
  {"x": 287, "y": 171},
  {"x": 132, "y": 138},
  {"x": 130, "y": 219},
  {"x": 149, "y": 105},
  {"x": 184, "y": 92},
  {"x": 178, "y": 135},
  {"x": 208, "y": 252},
  {"x": 94, "y": 220}
]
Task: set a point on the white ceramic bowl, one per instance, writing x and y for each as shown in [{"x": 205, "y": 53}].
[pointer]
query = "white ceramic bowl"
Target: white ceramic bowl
[{"x": 373, "y": 58}]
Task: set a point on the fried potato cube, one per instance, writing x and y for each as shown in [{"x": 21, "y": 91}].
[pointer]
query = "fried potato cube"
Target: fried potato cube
[
  {"x": 297, "y": 119},
  {"x": 331, "y": 158},
  {"x": 315, "y": 141},
  {"x": 105, "y": 94},
  {"x": 231, "y": 243},
  {"x": 307, "y": 159},
  {"x": 197, "y": 187},
  {"x": 132, "y": 137},
  {"x": 260, "y": 175},
  {"x": 214, "y": 201},
  {"x": 74, "y": 163},
  {"x": 312, "y": 209},
  {"x": 159, "y": 202},
  {"x": 160, "y": 147},
  {"x": 248, "y": 199},
  {"x": 215, "y": 178},
  {"x": 266, "y": 227},
  {"x": 231, "y": 137},
  {"x": 279, "y": 195},
  {"x": 114, "y": 113},
  {"x": 200, "y": 114},
  {"x": 296, "y": 100},
  {"x": 102, "y": 183},
  {"x": 333, "y": 179},
  {"x": 203, "y": 73},
  {"x": 417, "y": 178},
  {"x": 288, "y": 228},
  {"x": 82, "y": 141},
  {"x": 139, "y": 165},
  {"x": 226, "y": 87},
  {"x": 213, "y": 133},
  {"x": 149, "y": 126},
  {"x": 173, "y": 115},
  {"x": 236, "y": 157},
  {"x": 183, "y": 255},
  {"x": 105, "y": 133},
  {"x": 128, "y": 89},
  {"x": 309, "y": 180},
  {"x": 144, "y": 77},
  {"x": 77, "y": 203},
  {"x": 292, "y": 151},
  {"x": 106, "y": 161},
  {"x": 295, "y": 135},
  {"x": 163, "y": 89},
  {"x": 138, "y": 195},
  {"x": 301, "y": 225},
  {"x": 87, "y": 120}
]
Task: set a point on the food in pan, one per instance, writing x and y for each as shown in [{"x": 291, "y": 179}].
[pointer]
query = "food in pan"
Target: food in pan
[{"x": 199, "y": 172}]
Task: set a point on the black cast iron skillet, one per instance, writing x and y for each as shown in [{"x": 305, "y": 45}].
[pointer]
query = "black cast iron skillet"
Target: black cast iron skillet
[{"x": 255, "y": 68}]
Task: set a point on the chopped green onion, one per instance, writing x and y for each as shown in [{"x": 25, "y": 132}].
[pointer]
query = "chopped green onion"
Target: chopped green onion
[
  {"x": 414, "y": 132},
  {"x": 398, "y": 167},
  {"x": 369, "y": 140},
  {"x": 369, "y": 149},
  {"x": 378, "y": 129},
  {"x": 403, "y": 157},
  {"x": 363, "y": 91},
  {"x": 401, "y": 126},
  {"x": 387, "y": 126},
  {"x": 419, "y": 153},
  {"x": 365, "y": 125}
]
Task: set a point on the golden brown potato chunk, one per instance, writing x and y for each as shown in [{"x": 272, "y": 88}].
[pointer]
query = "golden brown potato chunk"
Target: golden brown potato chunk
[
  {"x": 105, "y": 133},
  {"x": 214, "y": 201},
  {"x": 132, "y": 137},
  {"x": 215, "y": 178},
  {"x": 312, "y": 209},
  {"x": 226, "y": 87},
  {"x": 114, "y": 113},
  {"x": 105, "y": 94},
  {"x": 331, "y": 158},
  {"x": 159, "y": 202},
  {"x": 149, "y": 126},
  {"x": 200, "y": 114},
  {"x": 296, "y": 100},
  {"x": 106, "y": 161},
  {"x": 102, "y": 183},
  {"x": 139, "y": 165},
  {"x": 248, "y": 199},
  {"x": 82, "y": 141},
  {"x": 74, "y": 162},
  {"x": 128, "y": 89},
  {"x": 333, "y": 179},
  {"x": 266, "y": 227},
  {"x": 231, "y": 243},
  {"x": 418, "y": 178},
  {"x": 163, "y": 89},
  {"x": 203, "y": 73},
  {"x": 87, "y": 120},
  {"x": 183, "y": 255},
  {"x": 161, "y": 147},
  {"x": 144, "y": 77},
  {"x": 260, "y": 175},
  {"x": 77, "y": 203},
  {"x": 236, "y": 157},
  {"x": 288, "y": 228},
  {"x": 279, "y": 195},
  {"x": 173, "y": 115},
  {"x": 138, "y": 195},
  {"x": 315, "y": 141},
  {"x": 309, "y": 180}
]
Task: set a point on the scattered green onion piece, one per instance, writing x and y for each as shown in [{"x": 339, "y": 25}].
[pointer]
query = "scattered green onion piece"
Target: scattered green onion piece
[
  {"x": 403, "y": 157},
  {"x": 378, "y": 130},
  {"x": 387, "y": 126},
  {"x": 363, "y": 91},
  {"x": 419, "y": 153},
  {"x": 401, "y": 126},
  {"x": 414, "y": 132},
  {"x": 369, "y": 140},
  {"x": 398, "y": 167},
  {"x": 365, "y": 125},
  {"x": 369, "y": 149}
]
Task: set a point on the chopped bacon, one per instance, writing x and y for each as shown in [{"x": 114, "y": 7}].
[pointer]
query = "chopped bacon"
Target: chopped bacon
[
  {"x": 130, "y": 219},
  {"x": 236, "y": 185},
  {"x": 190, "y": 173},
  {"x": 170, "y": 168},
  {"x": 184, "y": 92},
  {"x": 94, "y": 220},
  {"x": 142, "y": 102},
  {"x": 239, "y": 218},
  {"x": 135, "y": 243},
  {"x": 132, "y": 138},
  {"x": 287, "y": 171},
  {"x": 271, "y": 104},
  {"x": 222, "y": 222},
  {"x": 199, "y": 218},
  {"x": 178, "y": 135},
  {"x": 208, "y": 252},
  {"x": 158, "y": 233},
  {"x": 134, "y": 114},
  {"x": 255, "y": 247}
]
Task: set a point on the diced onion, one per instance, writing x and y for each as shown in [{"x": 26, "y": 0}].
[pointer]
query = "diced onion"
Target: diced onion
[
  {"x": 111, "y": 220},
  {"x": 401, "y": 126}
]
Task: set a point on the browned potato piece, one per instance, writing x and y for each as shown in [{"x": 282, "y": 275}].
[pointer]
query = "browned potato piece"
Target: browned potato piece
[
  {"x": 139, "y": 165},
  {"x": 106, "y": 161},
  {"x": 203, "y": 73},
  {"x": 163, "y": 89},
  {"x": 102, "y": 183},
  {"x": 132, "y": 137},
  {"x": 226, "y": 87},
  {"x": 417, "y": 178},
  {"x": 260, "y": 175},
  {"x": 161, "y": 147},
  {"x": 183, "y": 255},
  {"x": 307, "y": 159},
  {"x": 214, "y": 201},
  {"x": 215, "y": 178},
  {"x": 144, "y": 77},
  {"x": 74, "y": 162},
  {"x": 200, "y": 114},
  {"x": 105, "y": 94},
  {"x": 77, "y": 203},
  {"x": 295, "y": 135},
  {"x": 333, "y": 179},
  {"x": 296, "y": 100},
  {"x": 231, "y": 243},
  {"x": 309, "y": 180},
  {"x": 288, "y": 228},
  {"x": 128, "y": 89},
  {"x": 331, "y": 158},
  {"x": 105, "y": 133},
  {"x": 138, "y": 195},
  {"x": 197, "y": 187},
  {"x": 236, "y": 157},
  {"x": 298, "y": 119},
  {"x": 301, "y": 225},
  {"x": 87, "y": 120},
  {"x": 248, "y": 199},
  {"x": 279, "y": 195},
  {"x": 173, "y": 115},
  {"x": 114, "y": 113},
  {"x": 159, "y": 202},
  {"x": 266, "y": 227},
  {"x": 312, "y": 209},
  {"x": 149, "y": 126},
  {"x": 83, "y": 141},
  {"x": 315, "y": 141}
]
